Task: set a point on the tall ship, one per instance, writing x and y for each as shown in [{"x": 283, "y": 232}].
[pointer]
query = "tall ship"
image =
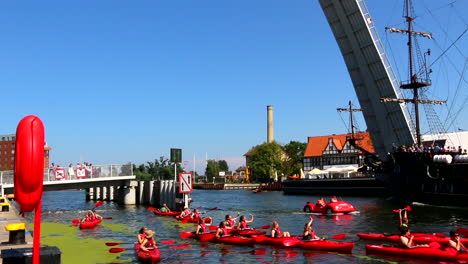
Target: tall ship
[{"x": 431, "y": 168}]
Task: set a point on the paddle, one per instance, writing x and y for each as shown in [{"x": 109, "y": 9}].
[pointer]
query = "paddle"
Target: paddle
[
  {"x": 212, "y": 209},
  {"x": 98, "y": 204},
  {"x": 77, "y": 221},
  {"x": 407, "y": 208},
  {"x": 186, "y": 235},
  {"x": 339, "y": 236},
  {"x": 151, "y": 208},
  {"x": 111, "y": 244},
  {"x": 265, "y": 226},
  {"x": 463, "y": 231},
  {"x": 118, "y": 250}
]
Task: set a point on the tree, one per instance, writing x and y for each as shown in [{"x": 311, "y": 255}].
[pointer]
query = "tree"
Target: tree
[
  {"x": 222, "y": 165},
  {"x": 265, "y": 160},
  {"x": 160, "y": 169},
  {"x": 294, "y": 157},
  {"x": 213, "y": 168}
]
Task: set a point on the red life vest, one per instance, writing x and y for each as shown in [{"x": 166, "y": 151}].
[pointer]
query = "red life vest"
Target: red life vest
[
  {"x": 149, "y": 243},
  {"x": 231, "y": 222},
  {"x": 243, "y": 225},
  {"x": 142, "y": 237},
  {"x": 203, "y": 226},
  {"x": 278, "y": 232},
  {"x": 225, "y": 231}
]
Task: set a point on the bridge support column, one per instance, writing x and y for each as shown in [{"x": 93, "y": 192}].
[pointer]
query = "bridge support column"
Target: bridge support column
[
  {"x": 89, "y": 194},
  {"x": 110, "y": 193},
  {"x": 97, "y": 193},
  {"x": 127, "y": 194},
  {"x": 140, "y": 192}
]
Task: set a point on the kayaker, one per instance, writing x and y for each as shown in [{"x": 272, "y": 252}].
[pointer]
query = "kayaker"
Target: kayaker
[
  {"x": 309, "y": 233},
  {"x": 244, "y": 223},
  {"x": 196, "y": 214},
  {"x": 276, "y": 231},
  {"x": 333, "y": 199},
  {"x": 230, "y": 221},
  {"x": 201, "y": 227},
  {"x": 222, "y": 230},
  {"x": 148, "y": 243},
  {"x": 142, "y": 234},
  {"x": 406, "y": 239},
  {"x": 164, "y": 209},
  {"x": 403, "y": 218},
  {"x": 88, "y": 217},
  {"x": 455, "y": 242},
  {"x": 95, "y": 215},
  {"x": 186, "y": 212}
]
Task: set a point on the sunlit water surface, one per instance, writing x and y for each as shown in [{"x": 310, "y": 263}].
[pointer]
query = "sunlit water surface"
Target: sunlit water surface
[{"x": 88, "y": 246}]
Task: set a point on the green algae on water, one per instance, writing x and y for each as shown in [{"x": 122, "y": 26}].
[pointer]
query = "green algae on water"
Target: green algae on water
[{"x": 77, "y": 250}]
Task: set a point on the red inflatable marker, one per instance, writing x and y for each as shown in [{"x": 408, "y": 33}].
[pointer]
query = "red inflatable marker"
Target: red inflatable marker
[
  {"x": 29, "y": 163},
  {"x": 29, "y": 173}
]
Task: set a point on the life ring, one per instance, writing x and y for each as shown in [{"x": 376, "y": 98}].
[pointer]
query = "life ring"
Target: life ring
[{"x": 29, "y": 163}]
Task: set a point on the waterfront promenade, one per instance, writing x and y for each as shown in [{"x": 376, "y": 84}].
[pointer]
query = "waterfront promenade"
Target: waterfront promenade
[{"x": 12, "y": 217}]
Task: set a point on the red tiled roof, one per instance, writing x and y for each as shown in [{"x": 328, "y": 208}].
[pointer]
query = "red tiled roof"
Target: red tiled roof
[{"x": 316, "y": 145}]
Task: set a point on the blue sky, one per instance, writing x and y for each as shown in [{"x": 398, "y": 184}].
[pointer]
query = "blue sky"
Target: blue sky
[{"x": 119, "y": 81}]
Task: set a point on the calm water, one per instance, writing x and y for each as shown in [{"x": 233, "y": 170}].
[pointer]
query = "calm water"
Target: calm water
[{"x": 87, "y": 246}]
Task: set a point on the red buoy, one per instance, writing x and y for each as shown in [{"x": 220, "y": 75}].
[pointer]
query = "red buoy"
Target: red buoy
[{"x": 29, "y": 163}]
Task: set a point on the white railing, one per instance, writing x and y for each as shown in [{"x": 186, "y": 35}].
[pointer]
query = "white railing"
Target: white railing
[{"x": 89, "y": 172}]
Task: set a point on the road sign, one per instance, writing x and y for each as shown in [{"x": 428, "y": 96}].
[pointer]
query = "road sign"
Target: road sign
[
  {"x": 185, "y": 182},
  {"x": 176, "y": 155}
]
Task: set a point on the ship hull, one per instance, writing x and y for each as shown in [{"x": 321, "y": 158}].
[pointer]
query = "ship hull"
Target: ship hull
[
  {"x": 347, "y": 186},
  {"x": 415, "y": 177}
]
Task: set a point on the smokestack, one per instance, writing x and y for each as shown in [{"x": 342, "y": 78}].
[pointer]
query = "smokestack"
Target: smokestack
[{"x": 270, "y": 134}]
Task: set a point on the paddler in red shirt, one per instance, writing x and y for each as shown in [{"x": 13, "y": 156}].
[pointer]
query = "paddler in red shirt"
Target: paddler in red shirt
[
  {"x": 201, "y": 227},
  {"x": 244, "y": 223},
  {"x": 230, "y": 221},
  {"x": 222, "y": 230},
  {"x": 276, "y": 231}
]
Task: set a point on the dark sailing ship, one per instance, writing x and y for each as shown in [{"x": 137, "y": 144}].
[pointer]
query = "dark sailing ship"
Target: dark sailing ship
[
  {"x": 427, "y": 172},
  {"x": 418, "y": 169}
]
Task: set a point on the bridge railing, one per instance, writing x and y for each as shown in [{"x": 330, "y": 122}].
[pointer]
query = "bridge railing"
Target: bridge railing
[{"x": 90, "y": 172}]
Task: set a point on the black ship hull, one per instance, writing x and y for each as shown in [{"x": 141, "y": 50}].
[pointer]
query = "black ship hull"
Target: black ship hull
[
  {"x": 415, "y": 177},
  {"x": 366, "y": 186}
]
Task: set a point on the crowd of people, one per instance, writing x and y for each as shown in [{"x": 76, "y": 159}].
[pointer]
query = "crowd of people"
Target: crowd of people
[{"x": 433, "y": 149}]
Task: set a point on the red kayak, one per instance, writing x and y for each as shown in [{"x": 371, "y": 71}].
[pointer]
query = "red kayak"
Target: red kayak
[
  {"x": 187, "y": 219},
  {"x": 173, "y": 213},
  {"x": 419, "y": 238},
  {"x": 151, "y": 256},
  {"x": 325, "y": 245},
  {"x": 330, "y": 208},
  {"x": 234, "y": 240},
  {"x": 275, "y": 241},
  {"x": 425, "y": 253},
  {"x": 89, "y": 224},
  {"x": 247, "y": 232},
  {"x": 205, "y": 236}
]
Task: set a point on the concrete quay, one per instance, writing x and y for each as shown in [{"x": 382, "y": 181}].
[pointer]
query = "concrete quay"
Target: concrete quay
[{"x": 12, "y": 217}]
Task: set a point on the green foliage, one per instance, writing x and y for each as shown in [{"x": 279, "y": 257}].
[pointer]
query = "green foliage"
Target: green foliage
[
  {"x": 223, "y": 166},
  {"x": 294, "y": 157},
  {"x": 265, "y": 159},
  {"x": 160, "y": 169},
  {"x": 213, "y": 168}
]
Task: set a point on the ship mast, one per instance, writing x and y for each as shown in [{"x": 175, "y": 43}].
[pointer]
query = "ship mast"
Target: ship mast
[
  {"x": 350, "y": 110},
  {"x": 414, "y": 83}
]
